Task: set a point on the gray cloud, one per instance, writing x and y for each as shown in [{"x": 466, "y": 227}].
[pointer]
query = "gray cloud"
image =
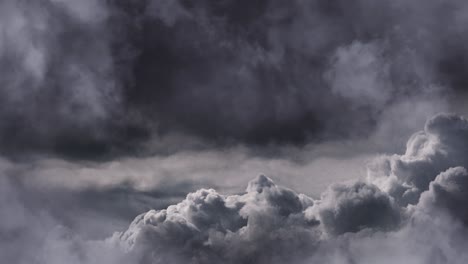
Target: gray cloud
[
  {"x": 355, "y": 222},
  {"x": 440, "y": 146},
  {"x": 350, "y": 223},
  {"x": 58, "y": 80},
  {"x": 345, "y": 208},
  {"x": 259, "y": 226},
  {"x": 447, "y": 192},
  {"x": 109, "y": 109},
  {"x": 99, "y": 79}
]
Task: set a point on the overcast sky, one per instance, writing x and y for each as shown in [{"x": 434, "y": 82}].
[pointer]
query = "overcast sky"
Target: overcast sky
[{"x": 233, "y": 131}]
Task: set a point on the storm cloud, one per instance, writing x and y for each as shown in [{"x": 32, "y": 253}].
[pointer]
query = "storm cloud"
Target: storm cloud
[
  {"x": 97, "y": 79},
  {"x": 233, "y": 131}
]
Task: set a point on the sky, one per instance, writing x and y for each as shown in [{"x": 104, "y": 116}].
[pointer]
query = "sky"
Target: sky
[{"x": 233, "y": 131}]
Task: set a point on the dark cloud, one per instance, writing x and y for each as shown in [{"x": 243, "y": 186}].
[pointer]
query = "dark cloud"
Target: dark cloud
[
  {"x": 279, "y": 72},
  {"x": 58, "y": 81},
  {"x": 95, "y": 78},
  {"x": 109, "y": 109}
]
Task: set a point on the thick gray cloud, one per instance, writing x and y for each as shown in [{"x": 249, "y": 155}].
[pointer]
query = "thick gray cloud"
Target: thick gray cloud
[
  {"x": 155, "y": 99},
  {"x": 280, "y": 73},
  {"x": 99, "y": 78}
]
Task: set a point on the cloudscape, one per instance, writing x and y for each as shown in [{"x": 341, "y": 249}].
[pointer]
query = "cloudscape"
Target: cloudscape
[{"x": 233, "y": 131}]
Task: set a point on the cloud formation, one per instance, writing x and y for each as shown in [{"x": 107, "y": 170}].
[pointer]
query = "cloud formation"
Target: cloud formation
[
  {"x": 447, "y": 193},
  {"x": 363, "y": 221},
  {"x": 261, "y": 225},
  {"x": 440, "y": 146},
  {"x": 97, "y": 79},
  {"x": 111, "y": 109},
  {"x": 272, "y": 224},
  {"x": 350, "y": 208}
]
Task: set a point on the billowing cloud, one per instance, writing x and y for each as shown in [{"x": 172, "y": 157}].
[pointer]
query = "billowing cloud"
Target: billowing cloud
[
  {"x": 344, "y": 208},
  {"x": 442, "y": 144},
  {"x": 259, "y": 226},
  {"x": 353, "y": 222},
  {"x": 447, "y": 193},
  {"x": 272, "y": 224},
  {"x": 111, "y": 109}
]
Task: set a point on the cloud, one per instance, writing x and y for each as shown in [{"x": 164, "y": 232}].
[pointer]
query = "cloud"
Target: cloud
[
  {"x": 293, "y": 72},
  {"x": 260, "y": 225},
  {"x": 58, "y": 78},
  {"x": 440, "y": 146},
  {"x": 97, "y": 80},
  {"x": 350, "y": 223},
  {"x": 359, "y": 221},
  {"x": 30, "y": 233},
  {"x": 447, "y": 193},
  {"x": 344, "y": 209},
  {"x": 359, "y": 72},
  {"x": 109, "y": 109}
]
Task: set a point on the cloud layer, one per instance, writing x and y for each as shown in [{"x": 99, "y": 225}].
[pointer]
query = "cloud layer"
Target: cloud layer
[
  {"x": 103, "y": 78},
  {"x": 111, "y": 109}
]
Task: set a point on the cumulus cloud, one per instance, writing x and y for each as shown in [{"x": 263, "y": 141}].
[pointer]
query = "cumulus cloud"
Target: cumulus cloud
[
  {"x": 447, "y": 193},
  {"x": 344, "y": 208},
  {"x": 440, "y": 146},
  {"x": 349, "y": 223},
  {"x": 259, "y": 226},
  {"x": 360, "y": 221}
]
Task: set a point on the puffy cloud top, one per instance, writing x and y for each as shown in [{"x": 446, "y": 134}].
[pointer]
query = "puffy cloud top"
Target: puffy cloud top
[
  {"x": 258, "y": 226},
  {"x": 266, "y": 224},
  {"x": 352, "y": 208},
  {"x": 357, "y": 222},
  {"x": 443, "y": 144},
  {"x": 449, "y": 193},
  {"x": 272, "y": 224}
]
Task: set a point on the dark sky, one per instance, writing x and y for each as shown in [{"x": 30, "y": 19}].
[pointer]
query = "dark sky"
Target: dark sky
[
  {"x": 102, "y": 78},
  {"x": 233, "y": 131}
]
